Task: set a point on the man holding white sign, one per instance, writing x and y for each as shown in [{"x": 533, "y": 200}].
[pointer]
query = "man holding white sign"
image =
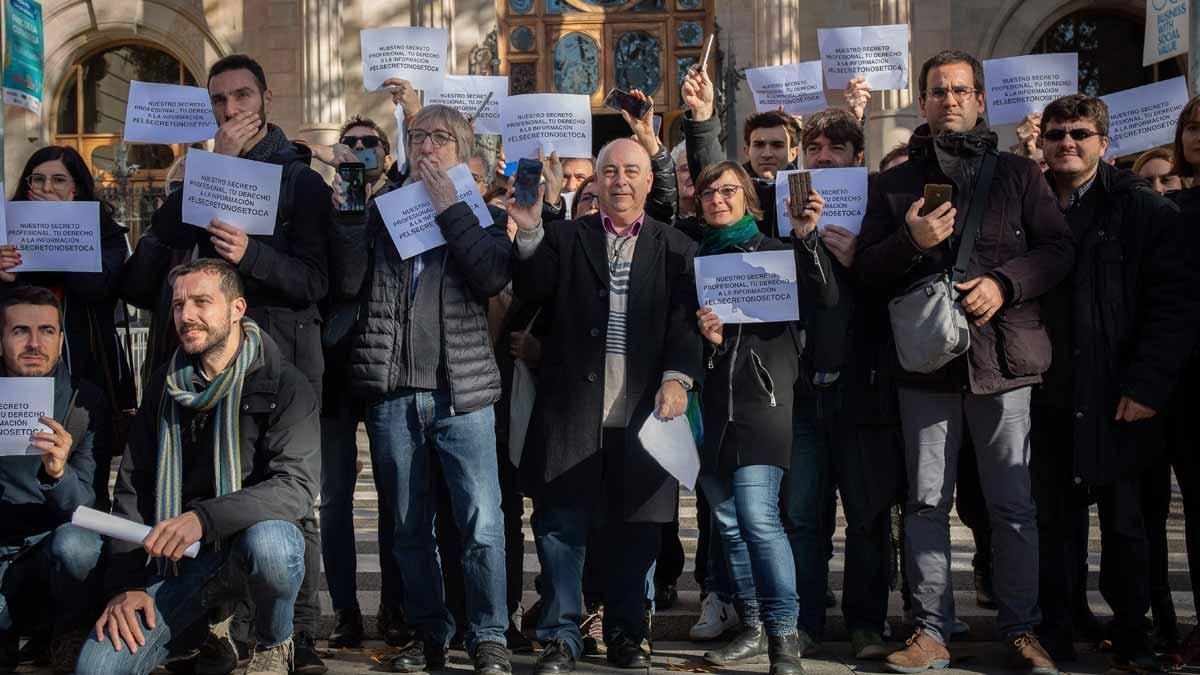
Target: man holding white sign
[
  {"x": 422, "y": 356},
  {"x": 45, "y": 562}
]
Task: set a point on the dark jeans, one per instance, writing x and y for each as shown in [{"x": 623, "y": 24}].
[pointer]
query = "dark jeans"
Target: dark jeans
[
  {"x": 1156, "y": 508},
  {"x": 53, "y": 571}
]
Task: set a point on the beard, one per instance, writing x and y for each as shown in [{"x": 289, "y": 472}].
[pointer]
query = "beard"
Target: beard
[
  {"x": 211, "y": 338},
  {"x": 23, "y": 368}
]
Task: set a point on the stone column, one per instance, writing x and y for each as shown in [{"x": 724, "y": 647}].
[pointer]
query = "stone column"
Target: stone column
[
  {"x": 777, "y": 32},
  {"x": 322, "y": 90},
  {"x": 437, "y": 14},
  {"x": 891, "y": 115}
]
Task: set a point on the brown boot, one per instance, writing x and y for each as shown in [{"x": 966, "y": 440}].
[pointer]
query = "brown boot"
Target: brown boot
[
  {"x": 1029, "y": 656},
  {"x": 920, "y": 653}
]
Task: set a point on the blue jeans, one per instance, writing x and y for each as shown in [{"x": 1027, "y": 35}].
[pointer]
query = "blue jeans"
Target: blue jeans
[
  {"x": 62, "y": 561},
  {"x": 404, "y": 428},
  {"x": 745, "y": 509},
  {"x": 629, "y": 552},
  {"x": 269, "y": 553}
]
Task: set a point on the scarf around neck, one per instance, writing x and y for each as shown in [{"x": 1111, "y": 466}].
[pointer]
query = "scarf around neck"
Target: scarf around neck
[
  {"x": 718, "y": 239},
  {"x": 272, "y": 144},
  {"x": 223, "y": 395}
]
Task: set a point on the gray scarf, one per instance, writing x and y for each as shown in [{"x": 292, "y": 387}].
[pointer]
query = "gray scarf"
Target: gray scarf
[{"x": 272, "y": 144}]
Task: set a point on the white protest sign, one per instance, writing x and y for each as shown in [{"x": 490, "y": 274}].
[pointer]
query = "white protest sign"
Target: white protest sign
[
  {"x": 22, "y": 401},
  {"x": 671, "y": 444},
  {"x": 54, "y": 236},
  {"x": 407, "y": 53},
  {"x": 559, "y": 123},
  {"x": 1166, "y": 30},
  {"x": 1019, "y": 85},
  {"x": 877, "y": 53},
  {"x": 168, "y": 113},
  {"x": 400, "y": 148},
  {"x": 409, "y": 217},
  {"x": 757, "y": 287},
  {"x": 844, "y": 192},
  {"x": 1144, "y": 117},
  {"x": 241, "y": 192},
  {"x": 465, "y": 93},
  {"x": 795, "y": 86}
]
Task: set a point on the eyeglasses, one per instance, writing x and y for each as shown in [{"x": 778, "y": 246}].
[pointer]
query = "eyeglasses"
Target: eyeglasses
[
  {"x": 726, "y": 192},
  {"x": 586, "y": 197},
  {"x": 439, "y": 138},
  {"x": 368, "y": 142},
  {"x": 1057, "y": 135},
  {"x": 58, "y": 182},
  {"x": 940, "y": 93}
]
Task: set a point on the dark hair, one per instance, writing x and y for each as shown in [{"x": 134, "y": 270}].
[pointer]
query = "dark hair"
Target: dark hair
[
  {"x": 360, "y": 121},
  {"x": 239, "y": 62},
  {"x": 839, "y": 126},
  {"x": 769, "y": 120},
  {"x": 712, "y": 172},
  {"x": 579, "y": 190},
  {"x": 231, "y": 282},
  {"x": 1181, "y": 166},
  {"x": 1077, "y": 107},
  {"x": 901, "y": 150},
  {"x": 85, "y": 185},
  {"x": 29, "y": 295},
  {"x": 946, "y": 58}
]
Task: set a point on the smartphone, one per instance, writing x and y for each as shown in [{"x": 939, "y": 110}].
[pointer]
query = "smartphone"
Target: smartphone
[
  {"x": 354, "y": 187},
  {"x": 622, "y": 100},
  {"x": 935, "y": 195},
  {"x": 800, "y": 184},
  {"x": 525, "y": 185},
  {"x": 369, "y": 159}
]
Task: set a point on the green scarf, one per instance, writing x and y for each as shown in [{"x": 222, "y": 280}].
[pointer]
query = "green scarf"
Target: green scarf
[
  {"x": 224, "y": 394},
  {"x": 717, "y": 239}
]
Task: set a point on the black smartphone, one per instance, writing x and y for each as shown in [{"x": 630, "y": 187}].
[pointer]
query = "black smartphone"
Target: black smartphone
[
  {"x": 525, "y": 184},
  {"x": 800, "y": 184},
  {"x": 369, "y": 159},
  {"x": 936, "y": 194},
  {"x": 622, "y": 100},
  {"x": 354, "y": 187}
]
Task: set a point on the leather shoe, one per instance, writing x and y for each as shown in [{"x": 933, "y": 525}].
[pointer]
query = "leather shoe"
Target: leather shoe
[
  {"x": 555, "y": 659},
  {"x": 420, "y": 656},
  {"x": 491, "y": 658},
  {"x": 348, "y": 631},
  {"x": 625, "y": 653},
  {"x": 784, "y": 652},
  {"x": 748, "y": 646}
]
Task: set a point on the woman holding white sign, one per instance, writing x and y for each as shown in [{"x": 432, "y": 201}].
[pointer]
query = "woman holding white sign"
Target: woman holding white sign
[{"x": 747, "y": 411}]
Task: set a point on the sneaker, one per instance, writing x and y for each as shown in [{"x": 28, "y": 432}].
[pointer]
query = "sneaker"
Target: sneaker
[
  {"x": 921, "y": 652},
  {"x": 592, "y": 632},
  {"x": 491, "y": 658},
  {"x": 867, "y": 646},
  {"x": 1029, "y": 656},
  {"x": 348, "y": 630},
  {"x": 716, "y": 618},
  {"x": 218, "y": 655},
  {"x": 305, "y": 657},
  {"x": 275, "y": 660}
]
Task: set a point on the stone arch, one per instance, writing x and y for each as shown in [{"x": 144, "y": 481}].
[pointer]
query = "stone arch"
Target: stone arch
[{"x": 1021, "y": 23}]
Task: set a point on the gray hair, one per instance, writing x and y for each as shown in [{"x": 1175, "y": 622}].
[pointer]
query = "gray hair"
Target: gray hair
[
  {"x": 454, "y": 122},
  {"x": 600, "y": 158}
]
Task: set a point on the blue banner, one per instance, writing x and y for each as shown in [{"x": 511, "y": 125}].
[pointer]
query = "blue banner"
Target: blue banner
[{"x": 23, "y": 56}]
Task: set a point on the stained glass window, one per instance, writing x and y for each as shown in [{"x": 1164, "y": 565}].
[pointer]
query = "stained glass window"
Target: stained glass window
[
  {"x": 637, "y": 62},
  {"x": 689, "y": 33},
  {"x": 576, "y": 64}
]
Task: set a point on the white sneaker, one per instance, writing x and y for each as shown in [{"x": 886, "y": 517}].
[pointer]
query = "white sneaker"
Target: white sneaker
[{"x": 716, "y": 617}]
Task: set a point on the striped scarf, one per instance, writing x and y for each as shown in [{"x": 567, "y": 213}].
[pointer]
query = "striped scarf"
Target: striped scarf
[{"x": 224, "y": 395}]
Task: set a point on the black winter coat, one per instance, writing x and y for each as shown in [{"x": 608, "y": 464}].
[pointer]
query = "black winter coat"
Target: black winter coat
[
  {"x": 280, "y": 438},
  {"x": 1132, "y": 305},
  {"x": 1024, "y": 242},
  {"x": 569, "y": 276}
]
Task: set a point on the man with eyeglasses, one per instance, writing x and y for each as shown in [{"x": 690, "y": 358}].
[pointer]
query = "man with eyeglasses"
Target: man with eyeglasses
[
  {"x": 1023, "y": 248},
  {"x": 421, "y": 356},
  {"x": 1121, "y": 327}
]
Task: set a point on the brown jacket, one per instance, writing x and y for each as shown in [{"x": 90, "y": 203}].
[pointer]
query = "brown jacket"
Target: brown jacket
[{"x": 1024, "y": 242}]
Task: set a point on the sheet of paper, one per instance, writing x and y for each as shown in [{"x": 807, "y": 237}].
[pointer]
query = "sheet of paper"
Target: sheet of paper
[
  {"x": 400, "y": 147},
  {"x": 115, "y": 527},
  {"x": 54, "y": 236},
  {"x": 1019, "y": 85},
  {"x": 465, "y": 93},
  {"x": 844, "y": 192},
  {"x": 795, "y": 86},
  {"x": 409, "y": 53},
  {"x": 877, "y": 53},
  {"x": 409, "y": 217},
  {"x": 1144, "y": 117},
  {"x": 671, "y": 444},
  {"x": 554, "y": 122},
  {"x": 757, "y": 287},
  {"x": 168, "y": 113},
  {"x": 241, "y": 192},
  {"x": 1166, "y": 30},
  {"x": 22, "y": 401}
]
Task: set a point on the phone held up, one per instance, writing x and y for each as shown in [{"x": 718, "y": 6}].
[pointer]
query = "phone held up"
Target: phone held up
[
  {"x": 622, "y": 100},
  {"x": 935, "y": 195},
  {"x": 354, "y": 185},
  {"x": 525, "y": 184}
]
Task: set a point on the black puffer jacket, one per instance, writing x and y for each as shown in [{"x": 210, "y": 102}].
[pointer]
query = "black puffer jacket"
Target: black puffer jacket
[{"x": 474, "y": 266}]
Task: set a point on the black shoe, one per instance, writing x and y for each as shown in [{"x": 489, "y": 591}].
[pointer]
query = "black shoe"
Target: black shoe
[
  {"x": 419, "y": 656},
  {"x": 665, "y": 596},
  {"x": 348, "y": 631},
  {"x": 491, "y": 658},
  {"x": 218, "y": 654},
  {"x": 625, "y": 653},
  {"x": 983, "y": 590},
  {"x": 305, "y": 660},
  {"x": 392, "y": 628},
  {"x": 784, "y": 654},
  {"x": 10, "y": 650},
  {"x": 556, "y": 658},
  {"x": 517, "y": 642},
  {"x": 748, "y": 646}
]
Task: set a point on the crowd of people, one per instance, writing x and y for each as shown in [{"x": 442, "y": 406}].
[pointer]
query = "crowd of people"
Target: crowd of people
[{"x": 1076, "y": 279}]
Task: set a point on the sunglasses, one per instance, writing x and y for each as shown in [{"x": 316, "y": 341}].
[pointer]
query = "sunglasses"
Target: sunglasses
[
  {"x": 1056, "y": 135},
  {"x": 368, "y": 142}
]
